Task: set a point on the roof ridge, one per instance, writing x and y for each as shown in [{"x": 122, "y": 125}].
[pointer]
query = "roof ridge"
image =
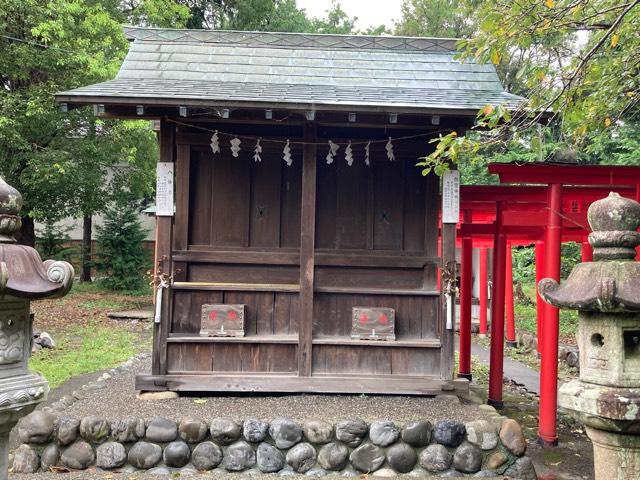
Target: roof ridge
[{"x": 293, "y": 40}]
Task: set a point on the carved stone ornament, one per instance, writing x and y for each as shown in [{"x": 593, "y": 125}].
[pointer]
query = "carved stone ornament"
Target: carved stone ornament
[{"x": 611, "y": 283}]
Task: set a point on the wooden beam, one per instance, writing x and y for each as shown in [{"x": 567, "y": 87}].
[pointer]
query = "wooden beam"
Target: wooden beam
[
  {"x": 307, "y": 243},
  {"x": 266, "y": 382},
  {"x": 163, "y": 263}
]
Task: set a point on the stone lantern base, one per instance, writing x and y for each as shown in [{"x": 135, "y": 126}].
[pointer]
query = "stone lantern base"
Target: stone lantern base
[
  {"x": 612, "y": 420},
  {"x": 615, "y": 455},
  {"x": 20, "y": 395}
]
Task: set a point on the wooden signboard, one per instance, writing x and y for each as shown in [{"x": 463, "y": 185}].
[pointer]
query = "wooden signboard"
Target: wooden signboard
[
  {"x": 373, "y": 323},
  {"x": 222, "y": 320}
]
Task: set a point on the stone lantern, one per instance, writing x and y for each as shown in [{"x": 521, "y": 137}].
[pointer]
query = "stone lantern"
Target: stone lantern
[
  {"x": 606, "y": 292},
  {"x": 23, "y": 276}
]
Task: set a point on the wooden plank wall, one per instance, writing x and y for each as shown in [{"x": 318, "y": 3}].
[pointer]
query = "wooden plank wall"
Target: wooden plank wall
[{"x": 375, "y": 231}]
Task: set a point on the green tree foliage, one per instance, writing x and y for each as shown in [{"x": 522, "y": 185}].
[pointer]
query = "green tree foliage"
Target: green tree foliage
[
  {"x": 577, "y": 62},
  {"x": 61, "y": 161},
  {"x": 54, "y": 242},
  {"x": 438, "y": 18},
  {"x": 121, "y": 256}
]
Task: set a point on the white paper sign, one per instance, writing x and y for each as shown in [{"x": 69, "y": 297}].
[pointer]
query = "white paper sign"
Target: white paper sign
[
  {"x": 451, "y": 196},
  {"x": 164, "y": 189}
]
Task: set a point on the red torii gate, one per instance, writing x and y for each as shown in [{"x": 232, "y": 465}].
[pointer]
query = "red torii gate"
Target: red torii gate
[{"x": 525, "y": 215}]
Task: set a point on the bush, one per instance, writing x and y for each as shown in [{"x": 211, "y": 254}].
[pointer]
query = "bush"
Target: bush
[{"x": 121, "y": 256}]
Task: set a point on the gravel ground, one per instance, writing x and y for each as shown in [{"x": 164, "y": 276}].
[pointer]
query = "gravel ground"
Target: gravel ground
[{"x": 117, "y": 399}]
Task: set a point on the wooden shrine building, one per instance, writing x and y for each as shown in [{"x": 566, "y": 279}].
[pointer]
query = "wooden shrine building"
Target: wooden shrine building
[{"x": 293, "y": 264}]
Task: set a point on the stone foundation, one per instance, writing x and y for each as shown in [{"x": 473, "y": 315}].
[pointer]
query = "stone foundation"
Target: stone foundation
[{"x": 449, "y": 448}]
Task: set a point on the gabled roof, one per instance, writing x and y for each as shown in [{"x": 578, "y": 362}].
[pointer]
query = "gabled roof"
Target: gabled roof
[{"x": 293, "y": 70}]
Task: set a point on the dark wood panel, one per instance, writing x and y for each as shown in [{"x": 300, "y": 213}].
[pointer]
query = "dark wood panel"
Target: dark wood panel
[
  {"x": 190, "y": 357},
  {"x": 230, "y": 199},
  {"x": 369, "y": 277},
  {"x": 388, "y": 217},
  {"x": 414, "y": 209},
  {"x": 291, "y": 194},
  {"x": 243, "y": 273},
  {"x": 351, "y": 204},
  {"x": 187, "y": 306},
  {"x": 200, "y": 199},
  {"x": 286, "y": 313},
  {"x": 326, "y": 202},
  {"x": 265, "y": 201},
  {"x": 336, "y": 359}
]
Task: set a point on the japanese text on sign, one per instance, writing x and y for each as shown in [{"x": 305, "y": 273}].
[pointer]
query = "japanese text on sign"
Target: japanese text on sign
[
  {"x": 450, "y": 196},
  {"x": 164, "y": 189}
]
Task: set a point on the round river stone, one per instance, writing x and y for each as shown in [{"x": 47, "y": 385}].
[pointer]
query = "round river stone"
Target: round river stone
[
  {"x": 449, "y": 433},
  {"x": 67, "y": 431},
  {"x": 318, "y": 431},
  {"x": 483, "y": 434},
  {"x": 162, "y": 430},
  {"x": 206, "y": 456},
  {"x": 383, "y": 433},
  {"x": 239, "y": 456},
  {"x": 417, "y": 434},
  {"x": 129, "y": 429},
  {"x": 333, "y": 456},
  {"x": 435, "y": 458},
  {"x": 269, "y": 458},
  {"x": 37, "y": 427},
  {"x": 94, "y": 429},
  {"x": 225, "y": 430},
  {"x": 467, "y": 458},
  {"x": 25, "y": 460},
  {"x": 50, "y": 456},
  {"x": 351, "y": 432},
  {"x": 367, "y": 457},
  {"x": 254, "y": 430},
  {"x": 286, "y": 433},
  {"x": 110, "y": 455},
  {"x": 302, "y": 457},
  {"x": 402, "y": 457},
  {"x": 192, "y": 430},
  {"x": 176, "y": 454},
  {"x": 78, "y": 456},
  {"x": 144, "y": 455},
  {"x": 512, "y": 437}
]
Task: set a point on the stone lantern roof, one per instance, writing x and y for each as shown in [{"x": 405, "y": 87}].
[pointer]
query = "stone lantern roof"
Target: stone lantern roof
[
  {"x": 611, "y": 283},
  {"x": 23, "y": 274}
]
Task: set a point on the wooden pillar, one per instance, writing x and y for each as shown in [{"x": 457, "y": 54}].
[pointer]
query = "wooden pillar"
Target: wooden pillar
[
  {"x": 586, "y": 252},
  {"x": 539, "y": 253},
  {"x": 508, "y": 298},
  {"x": 547, "y": 431},
  {"x": 162, "y": 264},
  {"x": 496, "y": 355},
  {"x": 307, "y": 257},
  {"x": 484, "y": 292},
  {"x": 466, "y": 284}
]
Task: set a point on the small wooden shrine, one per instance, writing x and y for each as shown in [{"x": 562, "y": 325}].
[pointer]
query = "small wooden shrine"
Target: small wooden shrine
[{"x": 303, "y": 253}]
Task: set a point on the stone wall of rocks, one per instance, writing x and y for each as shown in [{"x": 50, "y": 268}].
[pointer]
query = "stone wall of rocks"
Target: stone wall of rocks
[{"x": 449, "y": 448}]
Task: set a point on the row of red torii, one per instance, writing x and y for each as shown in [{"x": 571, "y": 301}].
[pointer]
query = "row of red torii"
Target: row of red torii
[{"x": 545, "y": 205}]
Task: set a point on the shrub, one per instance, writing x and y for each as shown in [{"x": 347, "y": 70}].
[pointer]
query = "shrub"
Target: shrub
[
  {"x": 53, "y": 242},
  {"x": 121, "y": 256}
]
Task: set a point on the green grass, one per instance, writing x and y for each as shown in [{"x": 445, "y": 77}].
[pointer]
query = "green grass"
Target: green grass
[{"x": 83, "y": 350}]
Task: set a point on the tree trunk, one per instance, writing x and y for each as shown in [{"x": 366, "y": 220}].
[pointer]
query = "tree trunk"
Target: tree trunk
[
  {"x": 85, "y": 275},
  {"x": 27, "y": 233}
]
